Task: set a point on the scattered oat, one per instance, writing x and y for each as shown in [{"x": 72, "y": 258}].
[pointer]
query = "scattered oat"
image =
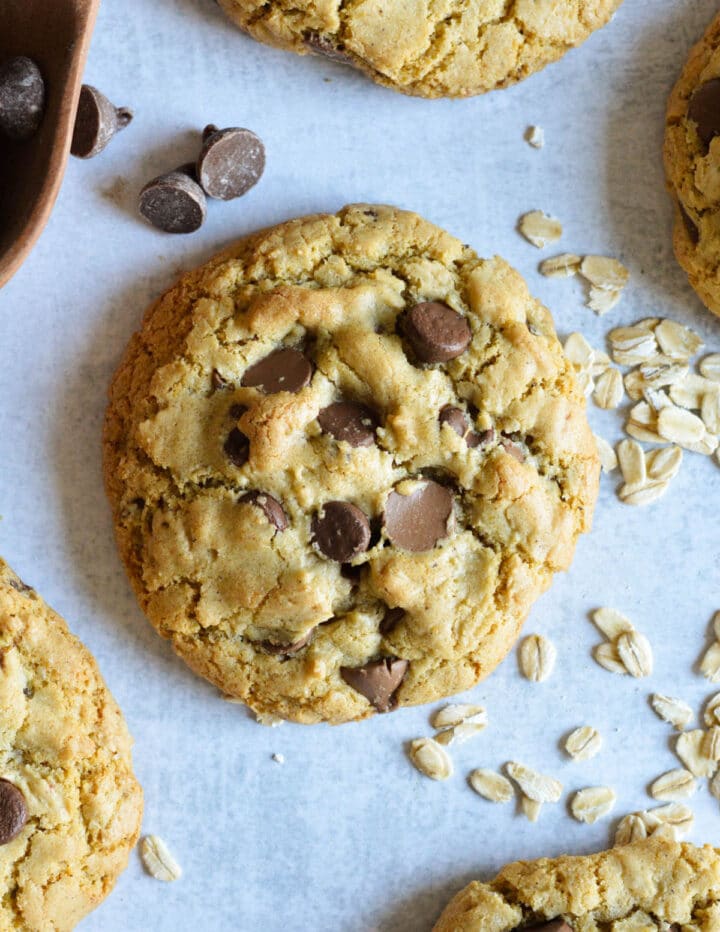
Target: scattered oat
[
  {"x": 536, "y": 786},
  {"x": 712, "y": 711},
  {"x": 431, "y": 759},
  {"x": 636, "y": 654},
  {"x": 664, "y": 464},
  {"x": 673, "y": 785},
  {"x": 593, "y": 803},
  {"x": 676, "y": 340},
  {"x": 535, "y": 136},
  {"x": 715, "y": 785},
  {"x": 661, "y": 372},
  {"x": 584, "y": 743},
  {"x": 537, "y": 656},
  {"x": 578, "y": 351},
  {"x": 531, "y": 808},
  {"x": 604, "y": 272},
  {"x": 689, "y": 748},
  {"x": 643, "y": 495},
  {"x": 632, "y": 346},
  {"x": 680, "y": 426},
  {"x": 630, "y": 828},
  {"x": 540, "y": 229},
  {"x": 565, "y": 265},
  {"x": 710, "y": 664},
  {"x": 609, "y": 389},
  {"x": 458, "y": 712},
  {"x": 710, "y": 367},
  {"x": 608, "y": 456},
  {"x": 492, "y": 786},
  {"x": 673, "y": 711},
  {"x": 459, "y": 734},
  {"x": 608, "y": 658},
  {"x": 279, "y": 758},
  {"x": 632, "y": 462},
  {"x": 710, "y": 411},
  {"x": 711, "y": 743},
  {"x": 676, "y": 815},
  {"x": 611, "y": 623},
  {"x": 602, "y": 300},
  {"x": 158, "y": 861},
  {"x": 690, "y": 392}
]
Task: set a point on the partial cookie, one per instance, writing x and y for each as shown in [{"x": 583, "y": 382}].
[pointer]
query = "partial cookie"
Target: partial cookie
[
  {"x": 70, "y": 807},
  {"x": 344, "y": 458},
  {"x": 692, "y": 166},
  {"x": 431, "y": 49},
  {"x": 648, "y": 885}
]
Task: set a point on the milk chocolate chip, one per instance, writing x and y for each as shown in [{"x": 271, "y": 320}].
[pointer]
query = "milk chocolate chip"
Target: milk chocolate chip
[
  {"x": 174, "y": 202},
  {"x": 377, "y": 681},
  {"x": 270, "y": 506},
  {"x": 231, "y": 161},
  {"x": 455, "y": 418},
  {"x": 418, "y": 521},
  {"x": 13, "y": 811},
  {"x": 341, "y": 531},
  {"x": 436, "y": 332},
  {"x": 350, "y": 421},
  {"x": 393, "y": 616},
  {"x": 22, "y": 98},
  {"x": 284, "y": 370},
  {"x": 237, "y": 447},
  {"x": 96, "y": 122},
  {"x": 287, "y": 650},
  {"x": 704, "y": 110}
]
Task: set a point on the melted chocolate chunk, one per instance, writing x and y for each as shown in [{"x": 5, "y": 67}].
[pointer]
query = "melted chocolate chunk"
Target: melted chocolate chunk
[
  {"x": 271, "y": 508},
  {"x": 704, "y": 110},
  {"x": 237, "y": 447},
  {"x": 418, "y": 521},
  {"x": 690, "y": 225},
  {"x": 378, "y": 681},
  {"x": 287, "y": 650},
  {"x": 283, "y": 370},
  {"x": 392, "y": 618},
  {"x": 13, "y": 811},
  {"x": 349, "y": 421},
  {"x": 436, "y": 332},
  {"x": 219, "y": 382},
  {"x": 341, "y": 531}
]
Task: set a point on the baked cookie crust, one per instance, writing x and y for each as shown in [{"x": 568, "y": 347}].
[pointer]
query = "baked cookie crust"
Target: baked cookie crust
[
  {"x": 227, "y": 490},
  {"x": 430, "y": 48},
  {"x": 692, "y": 167},
  {"x": 652, "y": 884},
  {"x": 70, "y": 807}
]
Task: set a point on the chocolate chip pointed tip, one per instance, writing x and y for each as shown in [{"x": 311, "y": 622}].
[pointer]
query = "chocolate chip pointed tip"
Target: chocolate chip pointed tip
[
  {"x": 419, "y": 520},
  {"x": 378, "y": 680},
  {"x": 436, "y": 332},
  {"x": 284, "y": 370},
  {"x": 270, "y": 507},
  {"x": 13, "y": 811},
  {"x": 231, "y": 162},
  {"x": 341, "y": 531}
]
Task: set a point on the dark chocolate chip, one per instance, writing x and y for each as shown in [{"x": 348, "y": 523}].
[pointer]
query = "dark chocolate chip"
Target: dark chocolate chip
[
  {"x": 350, "y": 421},
  {"x": 13, "y": 811},
  {"x": 341, "y": 531},
  {"x": 418, "y": 521},
  {"x": 237, "y": 447},
  {"x": 554, "y": 925},
  {"x": 353, "y": 573},
  {"x": 236, "y": 411},
  {"x": 455, "y": 419},
  {"x": 325, "y": 46},
  {"x": 284, "y": 370},
  {"x": 173, "y": 203},
  {"x": 96, "y": 122},
  {"x": 287, "y": 650},
  {"x": 704, "y": 110},
  {"x": 22, "y": 98},
  {"x": 690, "y": 225},
  {"x": 270, "y": 506},
  {"x": 231, "y": 161},
  {"x": 219, "y": 382},
  {"x": 436, "y": 332},
  {"x": 392, "y": 617},
  {"x": 480, "y": 438},
  {"x": 377, "y": 681}
]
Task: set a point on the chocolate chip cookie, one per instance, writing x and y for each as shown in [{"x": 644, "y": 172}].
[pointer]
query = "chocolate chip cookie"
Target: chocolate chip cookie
[
  {"x": 344, "y": 458},
  {"x": 70, "y": 807},
  {"x": 446, "y": 49},
  {"x": 692, "y": 166},
  {"x": 650, "y": 885}
]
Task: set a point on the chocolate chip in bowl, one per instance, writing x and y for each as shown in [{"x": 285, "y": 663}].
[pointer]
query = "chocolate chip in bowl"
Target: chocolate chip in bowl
[{"x": 22, "y": 98}]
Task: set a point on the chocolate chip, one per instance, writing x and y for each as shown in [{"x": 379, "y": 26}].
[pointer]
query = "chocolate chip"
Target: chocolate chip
[
  {"x": 173, "y": 203},
  {"x": 418, "y": 521},
  {"x": 236, "y": 411},
  {"x": 284, "y": 370},
  {"x": 455, "y": 419},
  {"x": 513, "y": 449},
  {"x": 704, "y": 110},
  {"x": 237, "y": 447},
  {"x": 231, "y": 161},
  {"x": 690, "y": 225},
  {"x": 287, "y": 650},
  {"x": 377, "y": 681},
  {"x": 13, "y": 811},
  {"x": 219, "y": 382},
  {"x": 19, "y": 585},
  {"x": 341, "y": 531},
  {"x": 555, "y": 925},
  {"x": 436, "y": 332},
  {"x": 22, "y": 98},
  {"x": 271, "y": 507},
  {"x": 393, "y": 616},
  {"x": 350, "y": 421},
  {"x": 324, "y": 45},
  {"x": 475, "y": 439},
  {"x": 96, "y": 122}
]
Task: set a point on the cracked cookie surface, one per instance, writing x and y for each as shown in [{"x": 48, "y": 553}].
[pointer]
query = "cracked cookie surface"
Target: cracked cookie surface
[
  {"x": 692, "y": 166},
  {"x": 648, "y": 885},
  {"x": 431, "y": 48},
  {"x": 70, "y": 807},
  {"x": 322, "y": 523}
]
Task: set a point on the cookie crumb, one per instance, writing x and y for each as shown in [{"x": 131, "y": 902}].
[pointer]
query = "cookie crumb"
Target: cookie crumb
[
  {"x": 158, "y": 861},
  {"x": 535, "y": 136}
]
